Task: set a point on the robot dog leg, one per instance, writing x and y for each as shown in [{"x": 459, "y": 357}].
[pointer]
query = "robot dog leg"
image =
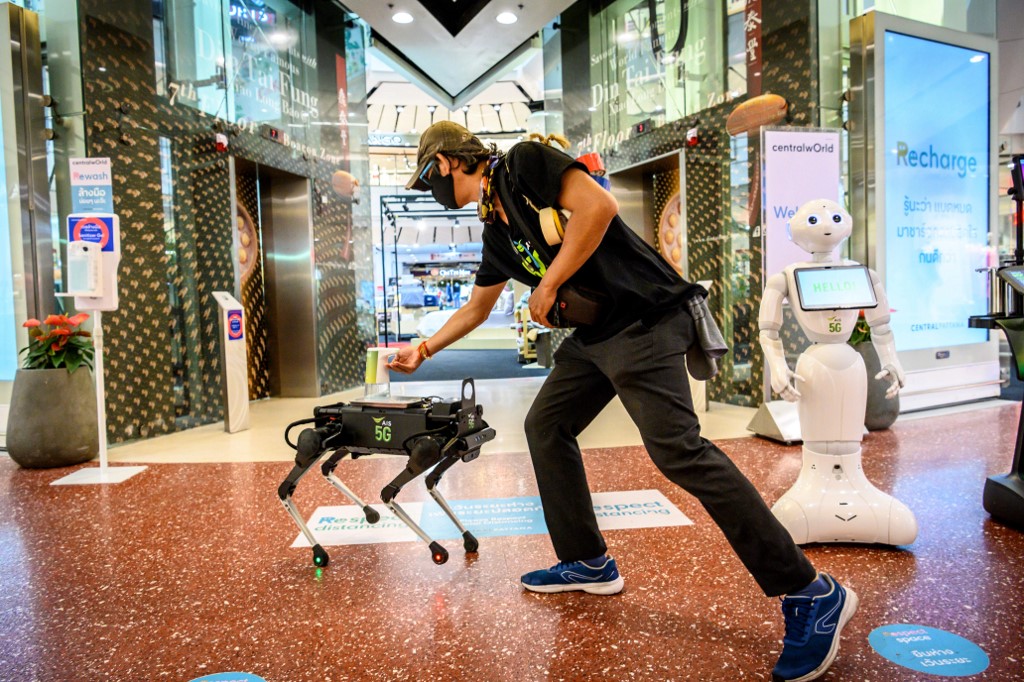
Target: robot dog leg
[
  {"x": 469, "y": 542},
  {"x": 428, "y": 453},
  {"x": 309, "y": 448},
  {"x": 327, "y": 469}
]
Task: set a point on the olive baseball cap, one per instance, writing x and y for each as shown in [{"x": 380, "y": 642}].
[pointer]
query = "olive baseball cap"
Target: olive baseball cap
[{"x": 443, "y": 136}]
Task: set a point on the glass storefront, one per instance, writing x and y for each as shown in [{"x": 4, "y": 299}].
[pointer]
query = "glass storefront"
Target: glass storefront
[
  {"x": 284, "y": 82},
  {"x": 653, "y": 63},
  {"x": 183, "y": 106}
]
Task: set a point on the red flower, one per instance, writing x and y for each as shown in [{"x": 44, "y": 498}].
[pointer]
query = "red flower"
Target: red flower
[
  {"x": 31, "y": 323},
  {"x": 61, "y": 332},
  {"x": 56, "y": 319},
  {"x": 78, "y": 319}
]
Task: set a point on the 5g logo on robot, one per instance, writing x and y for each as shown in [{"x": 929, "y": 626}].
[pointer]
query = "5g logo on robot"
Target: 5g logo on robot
[{"x": 382, "y": 429}]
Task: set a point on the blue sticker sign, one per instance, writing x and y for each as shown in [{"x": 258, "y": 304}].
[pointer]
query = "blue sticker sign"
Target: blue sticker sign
[
  {"x": 236, "y": 328},
  {"x": 488, "y": 518},
  {"x": 928, "y": 650},
  {"x": 94, "y": 228},
  {"x": 229, "y": 677}
]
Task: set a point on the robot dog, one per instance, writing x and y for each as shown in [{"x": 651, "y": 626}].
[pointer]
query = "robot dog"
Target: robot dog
[
  {"x": 832, "y": 500},
  {"x": 432, "y": 433}
]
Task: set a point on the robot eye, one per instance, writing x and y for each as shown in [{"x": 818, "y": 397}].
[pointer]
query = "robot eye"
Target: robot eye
[
  {"x": 812, "y": 220},
  {"x": 836, "y": 218}
]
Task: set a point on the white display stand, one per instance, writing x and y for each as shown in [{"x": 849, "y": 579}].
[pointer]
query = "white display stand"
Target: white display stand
[
  {"x": 798, "y": 164},
  {"x": 234, "y": 362},
  {"x": 96, "y": 275}
]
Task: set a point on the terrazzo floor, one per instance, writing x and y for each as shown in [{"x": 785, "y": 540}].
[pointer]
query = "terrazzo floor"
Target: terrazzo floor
[{"x": 186, "y": 570}]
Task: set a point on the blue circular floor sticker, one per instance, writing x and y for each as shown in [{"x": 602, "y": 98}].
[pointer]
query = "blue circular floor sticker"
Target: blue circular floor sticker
[
  {"x": 928, "y": 650},
  {"x": 229, "y": 677}
]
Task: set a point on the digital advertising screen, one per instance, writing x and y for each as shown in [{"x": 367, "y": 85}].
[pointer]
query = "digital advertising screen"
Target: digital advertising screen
[
  {"x": 835, "y": 288},
  {"x": 937, "y": 189}
]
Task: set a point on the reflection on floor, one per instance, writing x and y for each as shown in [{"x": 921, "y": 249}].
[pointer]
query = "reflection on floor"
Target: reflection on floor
[{"x": 187, "y": 570}]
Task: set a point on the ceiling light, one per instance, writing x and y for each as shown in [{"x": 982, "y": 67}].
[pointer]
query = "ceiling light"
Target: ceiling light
[
  {"x": 496, "y": 107},
  {"x": 399, "y": 108},
  {"x": 465, "y": 109},
  {"x": 507, "y": 18},
  {"x": 401, "y": 18}
]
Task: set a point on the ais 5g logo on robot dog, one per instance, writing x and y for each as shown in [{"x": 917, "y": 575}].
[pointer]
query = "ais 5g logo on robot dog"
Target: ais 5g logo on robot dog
[{"x": 382, "y": 429}]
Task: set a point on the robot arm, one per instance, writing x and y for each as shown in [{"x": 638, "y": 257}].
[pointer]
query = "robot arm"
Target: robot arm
[
  {"x": 769, "y": 321},
  {"x": 883, "y": 341}
]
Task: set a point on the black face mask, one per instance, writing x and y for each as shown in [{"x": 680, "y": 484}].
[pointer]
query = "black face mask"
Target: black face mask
[{"x": 443, "y": 189}]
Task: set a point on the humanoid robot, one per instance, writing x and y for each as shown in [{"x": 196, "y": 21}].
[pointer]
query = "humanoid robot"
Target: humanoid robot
[{"x": 832, "y": 500}]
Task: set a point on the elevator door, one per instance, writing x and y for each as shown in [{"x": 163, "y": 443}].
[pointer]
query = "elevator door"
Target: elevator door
[
  {"x": 276, "y": 272},
  {"x": 250, "y": 265}
]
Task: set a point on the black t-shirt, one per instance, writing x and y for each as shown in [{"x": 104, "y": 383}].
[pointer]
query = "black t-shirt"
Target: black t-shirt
[{"x": 632, "y": 279}]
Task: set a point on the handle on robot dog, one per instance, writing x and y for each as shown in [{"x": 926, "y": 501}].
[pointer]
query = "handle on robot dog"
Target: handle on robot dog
[{"x": 291, "y": 426}]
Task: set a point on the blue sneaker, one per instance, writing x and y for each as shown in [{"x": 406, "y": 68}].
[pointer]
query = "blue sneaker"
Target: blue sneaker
[
  {"x": 596, "y": 576},
  {"x": 813, "y": 624}
]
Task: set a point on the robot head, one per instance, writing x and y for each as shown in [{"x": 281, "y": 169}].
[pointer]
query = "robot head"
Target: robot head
[{"x": 819, "y": 226}]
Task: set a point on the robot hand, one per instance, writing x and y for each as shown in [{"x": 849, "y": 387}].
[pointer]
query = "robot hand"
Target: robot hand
[
  {"x": 893, "y": 375},
  {"x": 786, "y": 386}
]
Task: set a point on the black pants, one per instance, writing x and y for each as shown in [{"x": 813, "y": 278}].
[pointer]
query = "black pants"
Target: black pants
[{"x": 645, "y": 367}]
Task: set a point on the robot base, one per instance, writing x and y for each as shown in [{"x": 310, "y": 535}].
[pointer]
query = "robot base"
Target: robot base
[
  {"x": 832, "y": 501},
  {"x": 1004, "y": 499}
]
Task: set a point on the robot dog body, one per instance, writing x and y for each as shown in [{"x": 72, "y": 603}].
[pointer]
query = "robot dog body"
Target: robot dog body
[{"x": 433, "y": 434}]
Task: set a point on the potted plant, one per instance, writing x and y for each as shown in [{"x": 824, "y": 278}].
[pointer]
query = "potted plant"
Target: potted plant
[
  {"x": 52, "y": 420},
  {"x": 881, "y": 411}
]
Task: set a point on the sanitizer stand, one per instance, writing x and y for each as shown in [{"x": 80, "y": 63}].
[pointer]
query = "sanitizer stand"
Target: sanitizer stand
[{"x": 99, "y": 281}]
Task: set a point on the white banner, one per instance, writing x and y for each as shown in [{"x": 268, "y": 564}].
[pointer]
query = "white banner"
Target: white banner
[{"x": 798, "y": 165}]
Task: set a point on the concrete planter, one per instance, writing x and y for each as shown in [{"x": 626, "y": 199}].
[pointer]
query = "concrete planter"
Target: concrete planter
[
  {"x": 52, "y": 420},
  {"x": 882, "y": 412}
]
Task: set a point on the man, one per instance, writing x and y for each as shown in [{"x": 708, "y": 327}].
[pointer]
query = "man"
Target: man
[{"x": 634, "y": 347}]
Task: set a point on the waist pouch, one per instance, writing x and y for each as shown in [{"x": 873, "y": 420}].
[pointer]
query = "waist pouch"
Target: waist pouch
[{"x": 576, "y": 307}]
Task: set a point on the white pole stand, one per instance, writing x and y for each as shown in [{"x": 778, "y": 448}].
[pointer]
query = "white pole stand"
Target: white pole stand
[{"x": 103, "y": 474}]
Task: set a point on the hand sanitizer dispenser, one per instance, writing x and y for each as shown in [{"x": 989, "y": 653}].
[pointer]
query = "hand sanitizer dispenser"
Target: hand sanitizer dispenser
[{"x": 84, "y": 269}]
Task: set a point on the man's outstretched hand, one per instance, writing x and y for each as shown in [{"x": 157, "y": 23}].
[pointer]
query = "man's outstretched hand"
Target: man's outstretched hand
[{"x": 406, "y": 361}]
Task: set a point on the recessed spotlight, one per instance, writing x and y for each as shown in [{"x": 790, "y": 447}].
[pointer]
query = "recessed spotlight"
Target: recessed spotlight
[
  {"x": 507, "y": 18},
  {"x": 496, "y": 107},
  {"x": 401, "y": 18}
]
